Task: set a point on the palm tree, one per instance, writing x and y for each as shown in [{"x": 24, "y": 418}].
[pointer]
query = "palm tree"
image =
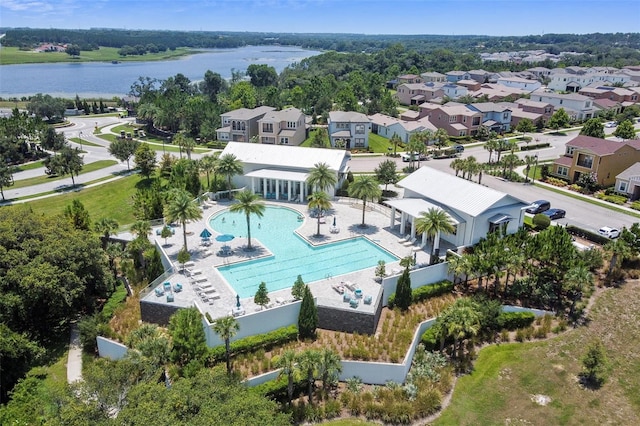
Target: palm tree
[
  {"x": 492, "y": 145},
  {"x": 308, "y": 362},
  {"x": 229, "y": 166},
  {"x": 140, "y": 228},
  {"x": 576, "y": 281},
  {"x": 321, "y": 177},
  {"x": 248, "y": 203},
  {"x": 365, "y": 187},
  {"x": 529, "y": 160},
  {"x": 619, "y": 250},
  {"x": 510, "y": 162},
  {"x": 106, "y": 227},
  {"x": 441, "y": 138},
  {"x": 208, "y": 164},
  {"x": 319, "y": 201},
  {"x": 471, "y": 166},
  {"x": 329, "y": 367},
  {"x": 431, "y": 223},
  {"x": 457, "y": 165},
  {"x": 287, "y": 364},
  {"x": 395, "y": 141},
  {"x": 226, "y": 328},
  {"x": 182, "y": 208},
  {"x": 460, "y": 321}
]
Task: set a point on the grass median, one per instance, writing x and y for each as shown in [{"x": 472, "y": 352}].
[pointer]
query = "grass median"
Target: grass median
[{"x": 38, "y": 180}]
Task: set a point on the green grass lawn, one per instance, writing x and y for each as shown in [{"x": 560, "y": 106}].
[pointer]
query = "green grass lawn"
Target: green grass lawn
[
  {"x": 45, "y": 178},
  {"x": 500, "y": 389},
  {"x": 29, "y": 166},
  {"x": 111, "y": 200},
  {"x": 84, "y": 142},
  {"x": 12, "y": 55}
]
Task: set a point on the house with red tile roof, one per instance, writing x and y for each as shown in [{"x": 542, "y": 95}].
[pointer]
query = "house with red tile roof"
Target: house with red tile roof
[{"x": 605, "y": 158}]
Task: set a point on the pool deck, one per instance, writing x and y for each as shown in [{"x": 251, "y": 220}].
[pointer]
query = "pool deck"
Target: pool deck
[{"x": 202, "y": 275}]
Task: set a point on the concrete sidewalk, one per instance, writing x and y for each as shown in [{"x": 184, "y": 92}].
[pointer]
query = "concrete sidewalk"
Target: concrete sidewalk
[{"x": 74, "y": 360}]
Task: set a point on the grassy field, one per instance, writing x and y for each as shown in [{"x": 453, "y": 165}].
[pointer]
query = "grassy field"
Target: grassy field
[
  {"x": 45, "y": 178},
  {"x": 111, "y": 200},
  {"x": 506, "y": 377},
  {"x": 12, "y": 55}
]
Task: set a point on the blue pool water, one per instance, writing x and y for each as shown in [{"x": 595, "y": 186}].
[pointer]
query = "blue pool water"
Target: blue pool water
[{"x": 292, "y": 255}]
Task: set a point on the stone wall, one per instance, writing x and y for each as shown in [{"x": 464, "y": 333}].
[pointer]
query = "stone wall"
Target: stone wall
[
  {"x": 349, "y": 320},
  {"x": 156, "y": 313}
]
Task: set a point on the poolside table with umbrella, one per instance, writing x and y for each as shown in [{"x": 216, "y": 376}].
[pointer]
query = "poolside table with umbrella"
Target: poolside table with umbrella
[
  {"x": 225, "y": 249},
  {"x": 206, "y": 236}
]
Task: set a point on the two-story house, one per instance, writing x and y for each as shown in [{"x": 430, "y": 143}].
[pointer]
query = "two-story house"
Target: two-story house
[
  {"x": 286, "y": 127},
  {"x": 417, "y": 93},
  {"x": 582, "y": 105},
  {"x": 348, "y": 129},
  {"x": 481, "y": 76},
  {"x": 240, "y": 125},
  {"x": 456, "y": 119},
  {"x": 540, "y": 72},
  {"x": 604, "y": 158},
  {"x": 409, "y": 78},
  {"x": 573, "y": 82},
  {"x": 453, "y": 91},
  {"x": 520, "y": 83},
  {"x": 617, "y": 94},
  {"x": 433, "y": 77},
  {"x": 628, "y": 182},
  {"x": 387, "y": 126},
  {"x": 455, "y": 76},
  {"x": 495, "y": 117}
]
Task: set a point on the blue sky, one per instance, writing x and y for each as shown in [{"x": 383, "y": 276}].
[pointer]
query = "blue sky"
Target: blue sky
[{"x": 450, "y": 17}]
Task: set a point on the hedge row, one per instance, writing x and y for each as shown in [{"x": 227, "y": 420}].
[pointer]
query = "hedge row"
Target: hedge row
[
  {"x": 534, "y": 146},
  {"x": 277, "y": 388},
  {"x": 587, "y": 235},
  {"x": 514, "y": 320},
  {"x": 425, "y": 292},
  {"x": 251, "y": 343}
]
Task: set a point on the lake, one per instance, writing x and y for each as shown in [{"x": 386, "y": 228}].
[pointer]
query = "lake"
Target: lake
[{"x": 104, "y": 79}]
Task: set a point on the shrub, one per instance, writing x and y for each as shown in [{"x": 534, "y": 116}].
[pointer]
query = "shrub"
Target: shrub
[
  {"x": 515, "y": 320},
  {"x": 615, "y": 199},
  {"x": 541, "y": 222},
  {"x": 588, "y": 235},
  {"x": 425, "y": 292},
  {"x": 555, "y": 181},
  {"x": 251, "y": 343},
  {"x": 534, "y": 146},
  {"x": 595, "y": 364},
  {"x": 504, "y": 336},
  {"x": 635, "y": 205},
  {"x": 116, "y": 298}
]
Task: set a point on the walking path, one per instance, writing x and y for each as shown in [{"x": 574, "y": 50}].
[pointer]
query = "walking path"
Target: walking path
[{"x": 74, "y": 360}]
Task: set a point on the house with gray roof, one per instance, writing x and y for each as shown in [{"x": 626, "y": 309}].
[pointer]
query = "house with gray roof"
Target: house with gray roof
[
  {"x": 582, "y": 105},
  {"x": 349, "y": 130},
  {"x": 280, "y": 172},
  {"x": 475, "y": 210},
  {"x": 628, "y": 182},
  {"x": 286, "y": 127},
  {"x": 240, "y": 125}
]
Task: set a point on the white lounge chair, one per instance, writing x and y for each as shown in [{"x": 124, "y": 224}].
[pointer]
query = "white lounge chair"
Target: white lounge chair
[
  {"x": 404, "y": 239},
  {"x": 410, "y": 242}
]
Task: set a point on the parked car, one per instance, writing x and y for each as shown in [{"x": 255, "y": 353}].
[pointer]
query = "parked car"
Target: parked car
[
  {"x": 555, "y": 213},
  {"x": 610, "y": 124},
  {"x": 458, "y": 148},
  {"x": 609, "y": 232},
  {"x": 538, "y": 207},
  {"x": 406, "y": 157}
]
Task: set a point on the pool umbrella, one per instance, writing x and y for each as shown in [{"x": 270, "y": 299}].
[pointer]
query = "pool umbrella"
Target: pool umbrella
[
  {"x": 334, "y": 221},
  {"x": 224, "y": 238},
  {"x": 205, "y": 234}
]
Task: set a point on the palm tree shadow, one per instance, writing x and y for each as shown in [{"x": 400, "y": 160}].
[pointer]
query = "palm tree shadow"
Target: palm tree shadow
[
  {"x": 318, "y": 238},
  {"x": 363, "y": 230},
  {"x": 254, "y": 251}
]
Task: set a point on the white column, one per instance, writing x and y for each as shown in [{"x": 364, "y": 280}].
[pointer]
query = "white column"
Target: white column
[
  {"x": 413, "y": 228},
  {"x": 393, "y": 218},
  {"x": 253, "y": 185},
  {"x": 264, "y": 187},
  {"x": 277, "y": 189},
  {"x": 403, "y": 222},
  {"x": 303, "y": 188},
  {"x": 289, "y": 190}
]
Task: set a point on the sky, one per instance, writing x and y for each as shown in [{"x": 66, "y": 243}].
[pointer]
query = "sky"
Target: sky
[{"x": 448, "y": 17}]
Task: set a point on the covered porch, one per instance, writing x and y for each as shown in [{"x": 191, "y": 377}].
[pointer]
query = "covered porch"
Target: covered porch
[{"x": 277, "y": 184}]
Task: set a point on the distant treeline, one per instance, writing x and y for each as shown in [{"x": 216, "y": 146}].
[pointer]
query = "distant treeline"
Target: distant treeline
[{"x": 604, "y": 46}]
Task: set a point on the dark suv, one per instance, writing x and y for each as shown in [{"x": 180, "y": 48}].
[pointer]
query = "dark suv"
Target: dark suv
[{"x": 538, "y": 207}]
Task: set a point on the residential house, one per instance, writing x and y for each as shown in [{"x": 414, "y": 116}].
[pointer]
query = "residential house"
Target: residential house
[
  {"x": 582, "y": 105},
  {"x": 286, "y": 127},
  {"x": 605, "y": 158},
  {"x": 495, "y": 117},
  {"x": 618, "y": 94},
  {"x": 433, "y": 77},
  {"x": 417, "y": 93},
  {"x": 348, "y": 129},
  {"x": 475, "y": 210},
  {"x": 573, "y": 82},
  {"x": 280, "y": 171},
  {"x": 481, "y": 76},
  {"x": 409, "y": 79},
  {"x": 240, "y": 125},
  {"x": 545, "y": 109},
  {"x": 520, "y": 83},
  {"x": 387, "y": 126},
  {"x": 455, "y": 76},
  {"x": 497, "y": 92},
  {"x": 453, "y": 91},
  {"x": 540, "y": 72},
  {"x": 456, "y": 119},
  {"x": 628, "y": 182},
  {"x": 471, "y": 85},
  {"x": 607, "y": 105}
]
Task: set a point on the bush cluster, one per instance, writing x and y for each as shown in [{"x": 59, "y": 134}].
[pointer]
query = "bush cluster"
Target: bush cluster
[
  {"x": 534, "y": 146},
  {"x": 425, "y": 292},
  {"x": 251, "y": 343},
  {"x": 514, "y": 320},
  {"x": 555, "y": 181},
  {"x": 611, "y": 198}
]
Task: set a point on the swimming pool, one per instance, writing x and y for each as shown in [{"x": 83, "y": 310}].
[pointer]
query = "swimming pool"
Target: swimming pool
[{"x": 292, "y": 255}]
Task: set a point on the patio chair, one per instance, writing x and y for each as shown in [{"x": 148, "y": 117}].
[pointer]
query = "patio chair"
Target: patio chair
[
  {"x": 346, "y": 297},
  {"x": 409, "y": 243},
  {"x": 367, "y": 299},
  {"x": 169, "y": 297},
  {"x": 167, "y": 286},
  {"x": 404, "y": 239},
  {"x": 354, "y": 303},
  {"x": 177, "y": 287},
  {"x": 159, "y": 292}
]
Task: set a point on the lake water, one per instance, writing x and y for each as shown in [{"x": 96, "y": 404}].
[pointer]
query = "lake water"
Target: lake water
[{"x": 107, "y": 80}]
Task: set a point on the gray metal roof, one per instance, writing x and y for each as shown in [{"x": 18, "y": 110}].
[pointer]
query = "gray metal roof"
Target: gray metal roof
[
  {"x": 454, "y": 192},
  {"x": 347, "y": 116},
  {"x": 414, "y": 207}
]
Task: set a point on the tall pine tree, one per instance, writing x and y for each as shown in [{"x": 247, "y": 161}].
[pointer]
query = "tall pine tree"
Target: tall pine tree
[
  {"x": 308, "y": 317},
  {"x": 403, "y": 290}
]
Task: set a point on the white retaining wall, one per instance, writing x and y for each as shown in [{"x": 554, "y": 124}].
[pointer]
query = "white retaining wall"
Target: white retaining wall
[
  {"x": 111, "y": 349},
  {"x": 257, "y": 322}
]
